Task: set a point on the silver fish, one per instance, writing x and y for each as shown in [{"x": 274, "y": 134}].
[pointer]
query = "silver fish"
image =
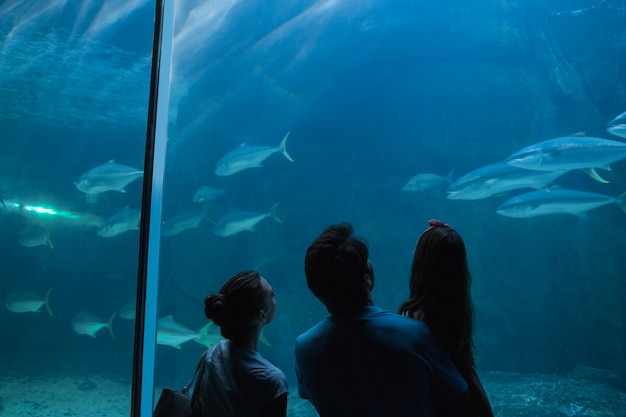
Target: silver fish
[
  {"x": 181, "y": 222},
  {"x": 172, "y": 333},
  {"x": 27, "y": 302},
  {"x": 127, "y": 312},
  {"x": 107, "y": 177},
  {"x": 569, "y": 152},
  {"x": 617, "y": 126},
  {"x": 426, "y": 181},
  {"x": 558, "y": 201},
  {"x": 243, "y": 157},
  {"x": 233, "y": 223},
  {"x": 498, "y": 178},
  {"x": 206, "y": 193},
  {"x": 121, "y": 222},
  {"x": 88, "y": 324},
  {"x": 35, "y": 235}
]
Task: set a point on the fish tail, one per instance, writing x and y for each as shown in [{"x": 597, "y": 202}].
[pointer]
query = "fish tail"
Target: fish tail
[
  {"x": 274, "y": 213},
  {"x": 46, "y": 301},
  {"x": 593, "y": 174},
  {"x": 205, "y": 342},
  {"x": 110, "y": 324},
  {"x": 622, "y": 201},
  {"x": 263, "y": 339},
  {"x": 203, "y": 334},
  {"x": 205, "y": 329},
  {"x": 48, "y": 240},
  {"x": 283, "y": 147}
]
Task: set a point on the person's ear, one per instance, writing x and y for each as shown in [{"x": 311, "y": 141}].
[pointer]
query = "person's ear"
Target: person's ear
[{"x": 262, "y": 316}]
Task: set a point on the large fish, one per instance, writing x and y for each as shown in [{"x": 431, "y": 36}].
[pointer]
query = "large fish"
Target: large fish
[
  {"x": 107, "y": 177},
  {"x": 172, "y": 333},
  {"x": 426, "y": 181},
  {"x": 233, "y": 223},
  {"x": 206, "y": 193},
  {"x": 27, "y": 302},
  {"x": 181, "y": 222},
  {"x": 569, "y": 152},
  {"x": 35, "y": 235},
  {"x": 88, "y": 324},
  {"x": 617, "y": 126},
  {"x": 557, "y": 201},
  {"x": 498, "y": 178},
  {"x": 121, "y": 222},
  {"x": 127, "y": 311},
  {"x": 243, "y": 157}
]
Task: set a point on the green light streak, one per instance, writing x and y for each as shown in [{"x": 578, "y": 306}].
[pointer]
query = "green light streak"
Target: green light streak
[{"x": 45, "y": 211}]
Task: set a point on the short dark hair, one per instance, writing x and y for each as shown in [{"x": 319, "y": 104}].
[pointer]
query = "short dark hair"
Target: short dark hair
[
  {"x": 338, "y": 270},
  {"x": 237, "y": 304}
]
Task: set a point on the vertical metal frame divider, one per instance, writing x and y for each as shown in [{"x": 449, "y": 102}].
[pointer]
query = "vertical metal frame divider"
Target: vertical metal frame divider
[{"x": 142, "y": 396}]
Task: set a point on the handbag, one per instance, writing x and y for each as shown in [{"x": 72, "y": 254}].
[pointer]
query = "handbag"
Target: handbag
[{"x": 178, "y": 403}]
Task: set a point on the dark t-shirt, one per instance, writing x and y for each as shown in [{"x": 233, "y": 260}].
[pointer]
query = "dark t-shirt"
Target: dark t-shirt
[{"x": 375, "y": 363}]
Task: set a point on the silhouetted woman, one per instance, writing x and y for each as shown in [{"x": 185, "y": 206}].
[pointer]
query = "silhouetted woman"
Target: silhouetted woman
[
  {"x": 237, "y": 381},
  {"x": 440, "y": 297}
]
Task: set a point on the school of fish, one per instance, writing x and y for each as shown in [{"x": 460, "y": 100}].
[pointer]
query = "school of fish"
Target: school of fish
[
  {"x": 37, "y": 215},
  {"x": 537, "y": 167}
]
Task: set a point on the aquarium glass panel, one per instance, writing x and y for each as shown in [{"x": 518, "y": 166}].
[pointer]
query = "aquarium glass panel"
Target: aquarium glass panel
[
  {"x": 500, "y": 118},
  {"x": 74, "y": 87}
]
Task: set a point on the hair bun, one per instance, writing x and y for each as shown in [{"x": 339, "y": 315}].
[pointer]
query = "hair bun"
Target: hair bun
[
  {"x": 214, "y": 307},
  {"x": 437, "y": 223}
]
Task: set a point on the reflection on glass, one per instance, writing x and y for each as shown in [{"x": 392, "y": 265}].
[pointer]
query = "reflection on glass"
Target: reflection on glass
[
  {"x": 74, "y": 80},
  {"x": 388, "y": 105}
]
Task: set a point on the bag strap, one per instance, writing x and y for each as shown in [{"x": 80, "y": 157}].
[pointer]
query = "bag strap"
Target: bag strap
[{"x": 188, "y": 385}]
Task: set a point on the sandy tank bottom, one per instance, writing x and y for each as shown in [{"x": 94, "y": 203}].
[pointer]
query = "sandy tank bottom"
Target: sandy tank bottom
[{"x": 586, "y": 392}]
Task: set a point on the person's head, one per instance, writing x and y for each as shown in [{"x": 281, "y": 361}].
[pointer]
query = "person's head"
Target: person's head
[
  {"x": 338, "y": 271},
  {"x": 245, "y": 302},
  {"x": 440, "y": 286}
]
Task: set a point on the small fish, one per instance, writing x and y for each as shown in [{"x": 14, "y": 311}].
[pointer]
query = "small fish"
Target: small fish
[
  {"x": 617, "y": 126},
  {"x": 206, "y": 193},
  {"x": 557, "y": 201},
  {"x": 127, "y": 312},
  {"x": 88, "y": 324},
  {"x": 35, "y": 235},
  {"x": 172, "y": 333},
  {"x": 569, "y": 152},
  {"x": 107, "y": 177},
  {"x": 181, "y": 222},
  {"x": 498, "y": 178},
  {"x": 233, "y": 223},
  {"x": 121, "y": 222},
  {"x": 423, "y": 182},
  {"x": 27, "y": 302},
  {"x": 244, "y": 157}
]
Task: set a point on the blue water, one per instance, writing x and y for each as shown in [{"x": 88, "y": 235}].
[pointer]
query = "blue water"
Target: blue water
[{"x": 373, "y": 93}]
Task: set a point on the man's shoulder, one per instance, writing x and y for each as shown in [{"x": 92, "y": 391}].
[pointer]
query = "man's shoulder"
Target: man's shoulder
[{"x": 316, "y": 331}]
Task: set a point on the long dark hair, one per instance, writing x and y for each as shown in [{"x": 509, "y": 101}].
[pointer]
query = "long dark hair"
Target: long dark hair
[{"x": 440, "y": 291}]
